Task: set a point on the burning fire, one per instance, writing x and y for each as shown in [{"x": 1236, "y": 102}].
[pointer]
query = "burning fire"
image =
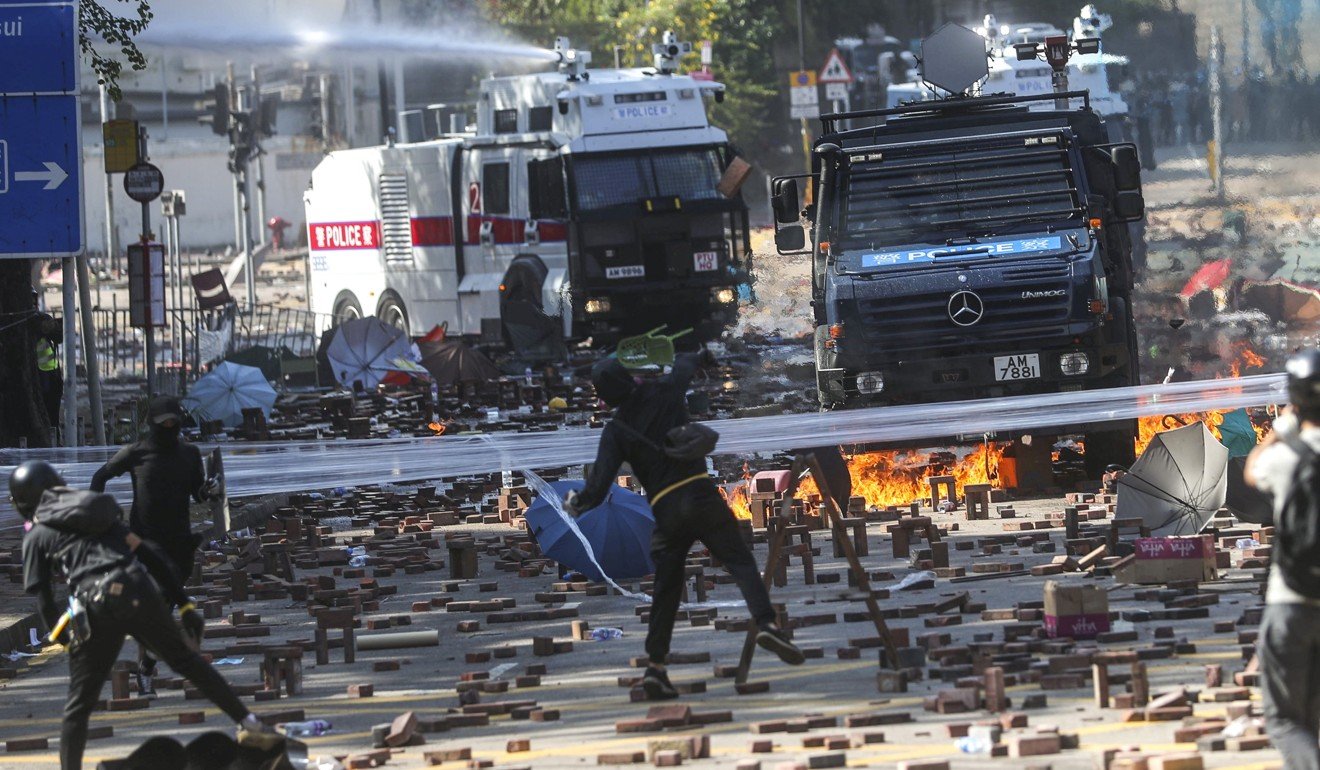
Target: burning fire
[
  {"x": 1147, "y": 427},
  {"x": 896, "y": 478}
]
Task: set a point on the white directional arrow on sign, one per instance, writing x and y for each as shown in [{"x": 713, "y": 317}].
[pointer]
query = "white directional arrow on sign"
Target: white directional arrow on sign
[{"x": 53, "y": 176}]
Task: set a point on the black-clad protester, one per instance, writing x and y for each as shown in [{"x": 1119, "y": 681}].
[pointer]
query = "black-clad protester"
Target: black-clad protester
[
  {"x": 687, "y": 505},
  {"x": 124, "y": 587},
  {"x": 167, "y": 473}
]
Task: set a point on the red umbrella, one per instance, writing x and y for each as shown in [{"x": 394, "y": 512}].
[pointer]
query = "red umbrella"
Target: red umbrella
[{"x": 1211, "y": 275}]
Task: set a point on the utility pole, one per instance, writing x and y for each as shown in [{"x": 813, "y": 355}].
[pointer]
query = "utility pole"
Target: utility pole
[
  {"x": 111, "y": 242},
  {"x": 259, "y": 153},
  {"x": 70, "y": 431},
  {"x": 90, "y": 359},
  {"x": 1246, "y": 44},
  {"x": 240, "y": 138},
  {"x": 326, "y": 144},
  {"x": 386, "y": 115},
  {"x": 1217, "y": 111},
  {"x": 148, "y": 330},
  {"x": 400, "y": 103},
  {"x": 802, "y": 66},
  {"x": 229, "y": 129}
]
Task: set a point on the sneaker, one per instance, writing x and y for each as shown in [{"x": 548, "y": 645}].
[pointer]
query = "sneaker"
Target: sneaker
[
  {"x": 657, "y": 685},
  {"x": 259, "y": 736},
  {"x": 146, "y": 688},
  {"x": 774, "y": 640}
]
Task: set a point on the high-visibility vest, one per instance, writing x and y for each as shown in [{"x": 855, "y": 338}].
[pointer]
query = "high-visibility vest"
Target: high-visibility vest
[{"x": 47, "y": 361}]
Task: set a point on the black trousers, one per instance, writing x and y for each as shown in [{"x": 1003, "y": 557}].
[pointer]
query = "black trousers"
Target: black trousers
[
  {"x": 137, "y": 611},
  {"x": 182, "y": 553},
  {"x": 697, "y": 512},
  {"x": 1289, "y": 648}
]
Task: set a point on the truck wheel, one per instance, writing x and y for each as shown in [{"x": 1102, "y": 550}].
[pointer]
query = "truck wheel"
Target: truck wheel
[
  {"x": 1109, "y": 447},
  {"x": 346, "y": 308},
  {"x": 392, "y": 311}
]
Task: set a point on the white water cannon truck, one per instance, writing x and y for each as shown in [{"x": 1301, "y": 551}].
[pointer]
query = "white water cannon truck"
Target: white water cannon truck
[{"x": 588, "y": 203}]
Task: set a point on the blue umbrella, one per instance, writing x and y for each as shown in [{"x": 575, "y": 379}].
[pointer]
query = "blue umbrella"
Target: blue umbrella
[
  {"x": 618, "y": 529},
  {"x": 366, "y": 349},
  {"x": 226, "y": 391}
]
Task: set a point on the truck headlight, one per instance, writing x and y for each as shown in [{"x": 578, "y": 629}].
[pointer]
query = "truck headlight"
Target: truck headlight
[
  {"x": 725, "y": 296},
  {"x": 870, "y": 383},
  {"x": 1074, "y": 364},
  {"x": 598, "y": 306}
]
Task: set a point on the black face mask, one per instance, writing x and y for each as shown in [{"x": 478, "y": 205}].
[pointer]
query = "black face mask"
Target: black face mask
[{"x": 164, "y": 434}]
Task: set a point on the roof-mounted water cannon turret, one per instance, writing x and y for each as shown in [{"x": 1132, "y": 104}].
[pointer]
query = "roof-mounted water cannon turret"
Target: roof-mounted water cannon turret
[
  {"x": 1091, "y": 23},
  {"x": 668, "y": 51},
  {"x": 572, "y": 62}
]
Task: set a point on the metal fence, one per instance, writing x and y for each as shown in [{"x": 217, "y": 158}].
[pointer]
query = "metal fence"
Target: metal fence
[{"x": 193, "y": 338}]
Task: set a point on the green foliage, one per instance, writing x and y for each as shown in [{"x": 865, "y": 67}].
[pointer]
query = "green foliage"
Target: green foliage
[{"x": 98, "y": 25}]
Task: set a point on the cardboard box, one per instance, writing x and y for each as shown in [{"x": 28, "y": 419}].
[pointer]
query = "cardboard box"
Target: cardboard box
[
  {"x": 1159, "y": 560},
  {"x": 1076, "y": 612}
]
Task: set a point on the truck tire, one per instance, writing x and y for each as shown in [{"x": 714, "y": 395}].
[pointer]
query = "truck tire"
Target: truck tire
[
  {"x": 347, "y": 308},
  {"x": 392, "y": 311},
  {"x": 1109, "y": 447}
]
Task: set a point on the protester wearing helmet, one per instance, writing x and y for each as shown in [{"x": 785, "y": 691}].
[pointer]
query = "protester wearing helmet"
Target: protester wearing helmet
[{"x": 120, "y": 587}]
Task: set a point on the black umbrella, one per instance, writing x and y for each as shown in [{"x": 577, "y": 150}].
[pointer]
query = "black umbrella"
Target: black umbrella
[
  {"x": 1245, "y": 501},
  {"x": 450, "y": 362}
]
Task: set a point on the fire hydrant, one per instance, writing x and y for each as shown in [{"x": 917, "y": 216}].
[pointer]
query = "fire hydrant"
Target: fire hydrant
[{"x": 277, "y": 227}]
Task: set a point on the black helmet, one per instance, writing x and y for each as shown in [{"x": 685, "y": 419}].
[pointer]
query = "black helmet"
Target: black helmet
[
  {"x": 1304, "y": 381},
  {"x": 612, "y": 381},
  {"x": 28, "y": 481}
]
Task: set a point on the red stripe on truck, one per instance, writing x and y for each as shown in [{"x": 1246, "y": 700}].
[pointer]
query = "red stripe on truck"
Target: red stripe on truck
[{"x": 433, "y": 231}]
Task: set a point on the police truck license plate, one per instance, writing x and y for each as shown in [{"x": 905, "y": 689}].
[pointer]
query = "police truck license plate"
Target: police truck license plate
[{"x": 1021, "y": 367}]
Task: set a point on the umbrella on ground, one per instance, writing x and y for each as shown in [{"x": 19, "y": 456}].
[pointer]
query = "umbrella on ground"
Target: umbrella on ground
[
  {"x": 226, "y": 391},
  {"x": 618, "y": 529},
  {"x": 1284, "y": 301},
  {"x": 1211, "y": 275},
  {"x": 1178, "y": 483},
  {"x": 365, "y": 349},
  {"x": 1245, "y": 501},
  {"x": 450, "y": 361}
]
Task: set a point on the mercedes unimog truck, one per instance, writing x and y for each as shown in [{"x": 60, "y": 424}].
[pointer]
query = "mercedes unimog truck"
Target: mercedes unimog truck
[{"x": 970, "y": 247}]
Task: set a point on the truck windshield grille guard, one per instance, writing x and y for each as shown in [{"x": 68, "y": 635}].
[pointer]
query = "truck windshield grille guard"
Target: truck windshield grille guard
[
  {"x": 1027, "y": 305},
  {"x": 934, "y": 192}
]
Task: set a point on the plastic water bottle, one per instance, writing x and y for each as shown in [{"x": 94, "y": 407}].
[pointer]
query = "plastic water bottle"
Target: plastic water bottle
[
  {"x": 972, "y": 745},
  {"x": 302, "y": 729},
  {"x": 606, "y": 634},
  {"x": 357, "y": 561}
]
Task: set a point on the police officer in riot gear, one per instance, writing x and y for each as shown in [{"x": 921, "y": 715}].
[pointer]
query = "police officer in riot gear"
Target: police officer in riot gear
[
  {"x": 166, "y": 471},
  {"x": 123, "y": 588}
]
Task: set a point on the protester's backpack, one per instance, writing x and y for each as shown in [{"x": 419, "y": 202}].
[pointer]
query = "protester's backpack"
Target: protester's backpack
[
  {"x": 1297, "y": 529},
  {"x": 690, "y": 441}
]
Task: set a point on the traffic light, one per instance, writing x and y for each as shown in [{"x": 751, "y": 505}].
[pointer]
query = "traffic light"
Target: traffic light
[
  {"x": 240, "y": 141},
  {"x": 215, "y": 110},
  {"x": 267, "y": 112}
]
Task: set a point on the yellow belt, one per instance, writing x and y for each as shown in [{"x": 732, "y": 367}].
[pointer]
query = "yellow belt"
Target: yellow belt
[{"x": 676, "y": 485}]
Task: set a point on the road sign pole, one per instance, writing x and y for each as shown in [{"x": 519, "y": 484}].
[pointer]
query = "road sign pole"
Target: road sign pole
[
  {"x": 148, "y": 330},
  {"x": 70, "y": 432},
  {"x": 111, "y": 239},
  {"x": 90, "y": 356}
]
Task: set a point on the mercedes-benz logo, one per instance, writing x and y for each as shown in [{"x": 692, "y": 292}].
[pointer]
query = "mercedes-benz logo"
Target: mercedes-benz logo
[{"x": 965, "y": 308}]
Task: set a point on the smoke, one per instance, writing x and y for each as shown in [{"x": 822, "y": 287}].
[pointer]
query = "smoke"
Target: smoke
[{"x": 294, "y": 33}]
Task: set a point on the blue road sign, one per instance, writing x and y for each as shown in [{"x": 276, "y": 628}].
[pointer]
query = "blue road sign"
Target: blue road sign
[
  {"x": 41, "y": 192},
  {"x": 37, "y": 45}
]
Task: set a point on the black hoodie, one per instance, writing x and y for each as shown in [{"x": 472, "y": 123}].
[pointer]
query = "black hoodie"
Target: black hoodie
[
  {"x": 81, "y": 534},
  {"x": 166, "y": 471},
  {"x": 651, "y": 408}
]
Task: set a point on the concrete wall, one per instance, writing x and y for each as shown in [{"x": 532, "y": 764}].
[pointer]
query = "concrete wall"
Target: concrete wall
[{"x": 199, "y": 168}]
